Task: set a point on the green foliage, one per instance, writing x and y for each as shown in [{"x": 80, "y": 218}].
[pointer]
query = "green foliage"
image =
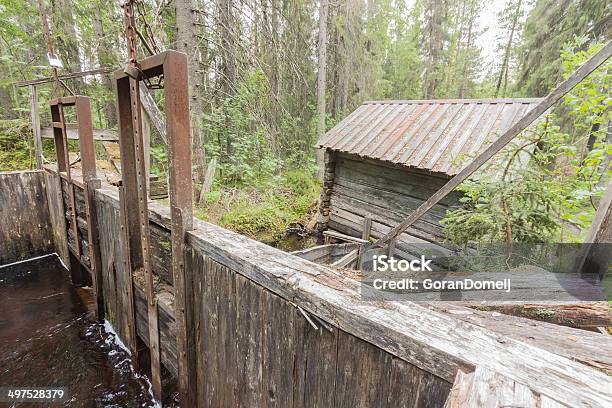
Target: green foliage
[
  {"x": 558, "y": 188},
  {"x": 264, "y": 212},
  {"x": 235, "y": 136},
  {"x": 550, "y": 25},
  {"x": 16, "y": 150}
]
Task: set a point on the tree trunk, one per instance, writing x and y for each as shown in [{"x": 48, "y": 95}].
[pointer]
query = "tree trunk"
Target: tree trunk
[
  {"x": 503, "y": 73},
  {"x": 321, "y": 80},
  {"x": 65, "y": 38},
  {"x": 105, "y": 58},
  {"x": 186, "y": 41}
]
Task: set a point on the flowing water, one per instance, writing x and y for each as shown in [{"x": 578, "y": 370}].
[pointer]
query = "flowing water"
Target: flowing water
[{"x": 47, "y": 339}]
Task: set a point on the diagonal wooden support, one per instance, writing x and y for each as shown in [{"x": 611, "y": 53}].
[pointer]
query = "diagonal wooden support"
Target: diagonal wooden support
[
  {"x": 496, "y": 146},
  {"x": 595, "y": 255}
]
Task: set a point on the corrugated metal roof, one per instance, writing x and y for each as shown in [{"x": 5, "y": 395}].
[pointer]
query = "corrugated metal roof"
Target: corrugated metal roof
[{"x": 432, "y": 135}]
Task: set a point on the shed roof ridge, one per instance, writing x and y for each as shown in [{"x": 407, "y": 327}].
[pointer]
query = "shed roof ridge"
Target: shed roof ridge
[{"x": 452, "y": 101}]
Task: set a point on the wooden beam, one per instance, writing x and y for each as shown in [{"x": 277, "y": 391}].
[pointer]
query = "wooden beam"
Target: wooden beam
[
  {"x": 157, "y": 118},
  {"x": 103, "y": 135},
  {"x": 344, "y": 237},
  {"x": 595, "y": 255},
  {"x": 367, "y": 227},
  {"x": 36, "y": 127},
  {"x": 503, "y": 140},
  {"x": 432, "y": 341},
  {"x": 485, "y": 388}
]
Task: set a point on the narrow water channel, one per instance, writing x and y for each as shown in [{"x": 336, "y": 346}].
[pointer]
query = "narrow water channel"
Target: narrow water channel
[{"x": 47, "y": 339}]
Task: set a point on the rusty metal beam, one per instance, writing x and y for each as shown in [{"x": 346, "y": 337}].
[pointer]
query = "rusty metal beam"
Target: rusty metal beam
[
  {"x": 84, "y": 128},
  {"x": 173, "y": 66},
  {"x": 36, "y": 131}
]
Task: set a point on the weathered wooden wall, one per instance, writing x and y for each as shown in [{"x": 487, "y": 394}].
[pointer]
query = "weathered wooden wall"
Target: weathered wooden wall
[
  {"x": 25, "y": 225},
  {"x": 256, "y": 349},
  {"x": 255, "y": 346},
  {"x": 56, "y": 213},
  {"x": 387, "y": 194}
]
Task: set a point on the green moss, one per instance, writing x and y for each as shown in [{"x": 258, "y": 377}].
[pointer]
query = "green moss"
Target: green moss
[{"x": 264, "y": 211}]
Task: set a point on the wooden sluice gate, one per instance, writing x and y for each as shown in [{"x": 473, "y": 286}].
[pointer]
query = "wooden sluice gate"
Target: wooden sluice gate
[
  {"x": 272, "y": 329},
  {"x": 239, "y": 323}
]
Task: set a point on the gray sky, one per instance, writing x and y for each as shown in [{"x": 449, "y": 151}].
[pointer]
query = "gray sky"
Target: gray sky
[{"x": 488, "y": 20}]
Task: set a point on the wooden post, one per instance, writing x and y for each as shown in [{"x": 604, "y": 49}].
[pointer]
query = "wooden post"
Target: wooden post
[
  {"x": 391, "y": 248},
  {"x": 36, "y": 126},
  {"x": 595, "y": 256},
  {"x": 367, "y": 227}
]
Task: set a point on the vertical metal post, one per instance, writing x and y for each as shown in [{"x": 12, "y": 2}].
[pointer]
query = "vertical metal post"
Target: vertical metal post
[
  {"x": 90, "y": 184},
  {"x": 179, "y": 146},
  {"x": 136, "y": 209},
  {"x": 173, "y": 66},
  {"x": 36, "y": 126}
]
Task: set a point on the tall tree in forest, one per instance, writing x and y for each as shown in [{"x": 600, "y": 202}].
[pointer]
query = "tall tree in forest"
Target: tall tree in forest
[
  {"x": 435, "y": 34},
  {"x": 321, "y": 67},
  {"x": 468, "y": 53},
  {"x": 106, "y": 57},
  {"x": 549, "y": 25},
  {"x": 510, "y": 21},
  {"x": 187, "y": 42},
  {"x": 65, "y": 36},
  {"x": 321, "y": 78},
  {"x": 403, "y": 66}
]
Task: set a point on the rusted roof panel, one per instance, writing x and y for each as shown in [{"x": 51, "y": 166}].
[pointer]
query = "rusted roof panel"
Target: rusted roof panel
[{"x": 436, "y": 135}]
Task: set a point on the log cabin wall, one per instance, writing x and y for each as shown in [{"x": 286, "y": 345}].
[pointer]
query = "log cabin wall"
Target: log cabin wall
[
  {"x": 25, "y": 225},
  {"x": 387, "y": 194}
]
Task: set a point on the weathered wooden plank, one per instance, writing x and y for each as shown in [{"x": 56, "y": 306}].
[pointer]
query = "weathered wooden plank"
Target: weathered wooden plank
[
  {"x": 161, "y": 252},
  {"x": 590, "y": 348},
  {"x": 278, "y": 350},
  {"x": 364, "y": 381},
  {"x": 404, "y": 183},
  {"x": 25, "y": 223},
  {"x": 344, "y": 237},
  {"x": 595, "y": 257},
  {"x": 485, "y": 388},
  {"x": 249, "y": 338},
  {"x": 103, "y": 135},
  {"x": 406, "y": 244},
  {"x": 403, "y": 385},
  {"x": 167, "y": 331},
  {"x": 209, "y": 328},
  {"x": 355, "y": 212},
  {"x": 315, "y": 254},
  {"x": 56, "y": 213},
  {"x": 228, "y": 334},
  {"x": 432, "y": 341},
  {"x": 316, "y": 360}
]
